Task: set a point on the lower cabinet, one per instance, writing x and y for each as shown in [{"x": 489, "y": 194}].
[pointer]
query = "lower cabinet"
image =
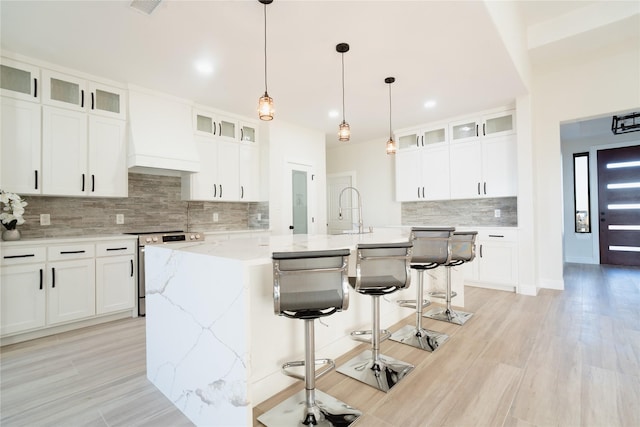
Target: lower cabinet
[
  {"x": 50, "y": 285},
  {"x": 496, "y": 261}
]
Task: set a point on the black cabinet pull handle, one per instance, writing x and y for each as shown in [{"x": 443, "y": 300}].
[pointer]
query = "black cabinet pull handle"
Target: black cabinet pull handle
[
  {"x": 242, "y": 191},
  {"x": 82, "y": 182},
  {"x": 36, "y": 174},
  {"x": 423, "y": 192},
  {"x": 241, "y": 134},
  {"x": 53, "y": 277},
  {"x": 93, "y": 182},
  {"x": 418, "y": 192},
  {"x": 116, "y": 249},
  {"x": 417, "y": 140},
  {"x": 477, "y": 130},
  {"x": 131, "y": 267},
  {"x": 215, "y": 128},
  {"x": 478, "y": 189},
  {"x": 35, "y": 87},
  {"x": 41, "y": 275},
  {"x": 484, "y": 129},
  {"x": 18, "y": 256},
  {"x": 485, "y": 187},
  {"x": 215, "y": 191},
  {"x": 480, "y": 251},
  {"x": 71, "y": 252},
  {"x": 496, "y": 235},
  {"x": 221, "y": 191},
  {"x": 82, "y": 98},
  {"x": 92, "y": 101}
]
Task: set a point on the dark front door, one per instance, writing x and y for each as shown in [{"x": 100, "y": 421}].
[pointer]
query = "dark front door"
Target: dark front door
[{"x": 619, "y": 205}]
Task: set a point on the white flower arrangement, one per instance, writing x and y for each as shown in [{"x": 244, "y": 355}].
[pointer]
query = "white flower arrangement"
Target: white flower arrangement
[{"x": 13, "y": 210}]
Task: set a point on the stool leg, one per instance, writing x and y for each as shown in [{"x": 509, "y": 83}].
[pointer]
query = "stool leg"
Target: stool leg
[
  {"x": 417, "y": 336},
  {"x": 447, "y": 314},
  {"x": 371, "y": 367},
  {"x": 303, "y": 408}
]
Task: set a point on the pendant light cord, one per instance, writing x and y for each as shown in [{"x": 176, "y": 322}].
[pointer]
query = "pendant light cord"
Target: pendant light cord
[
  {"x": 265, "y": 48},
  {"x": 343, "y": 120},
  {"x": 390, "y": 111}
]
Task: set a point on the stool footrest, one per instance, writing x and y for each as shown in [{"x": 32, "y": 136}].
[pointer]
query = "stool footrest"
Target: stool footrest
[
  {"x": 411, "y": 303},
  {"x": 441, "y": 294},
  {"x": 358, "y": 335},
  {"x": 298, "y": 363}
]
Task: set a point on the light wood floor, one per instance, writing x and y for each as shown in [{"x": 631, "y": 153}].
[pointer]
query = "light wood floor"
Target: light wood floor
[{"x": 568, "y": 358}]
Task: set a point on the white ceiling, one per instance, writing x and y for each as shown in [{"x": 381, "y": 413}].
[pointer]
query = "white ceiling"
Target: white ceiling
[{"x": 448, "y": 51}]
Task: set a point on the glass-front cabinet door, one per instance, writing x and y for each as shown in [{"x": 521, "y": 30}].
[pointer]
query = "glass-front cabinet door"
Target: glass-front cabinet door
[
  {"x": 435, "y": 135},
  {"x": 204, "y": 123},
  {"x": 410, "y": 139},
  {"x": 227, "y": 128},
  {"x": 465, "y": 130},
  {"x": 502, "y": 123},
  {"x": 19, "y": 80},
  {"x": 248, "y": 133},
  {"x": 62, "y": 90},
  {"x": 107, "y": 101}
]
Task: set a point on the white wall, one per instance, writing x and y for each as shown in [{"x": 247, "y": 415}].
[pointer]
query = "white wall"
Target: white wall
[
  {"x": 375, "y": 179},
  {"x": 602, "y": 82},
  {"x": 291, "y": 143}
]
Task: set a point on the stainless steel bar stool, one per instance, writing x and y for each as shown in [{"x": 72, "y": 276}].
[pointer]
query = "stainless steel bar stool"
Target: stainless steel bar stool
[
  {"x": 463, "y": 249},
  {"x": 430, "y": 250},
  {"x": 309, "y": 285},
  {"x": 381, "y": 269}
]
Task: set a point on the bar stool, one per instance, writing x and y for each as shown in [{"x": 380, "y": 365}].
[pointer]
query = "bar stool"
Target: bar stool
[
  {"x": 381, "y": 269},
  {"x": 463, "y": 249},
  {"x": 309, "y": 285},
  {"x": 430, "y": 250}
]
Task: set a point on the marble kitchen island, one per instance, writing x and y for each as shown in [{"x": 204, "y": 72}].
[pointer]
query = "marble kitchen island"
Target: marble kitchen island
[{"x": 214, "y": 344}]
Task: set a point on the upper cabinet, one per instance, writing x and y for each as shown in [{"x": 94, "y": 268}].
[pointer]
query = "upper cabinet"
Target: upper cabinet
[
  {"x": 19, "y": 80},
  {"x": 495, "y": 124},
  {"x": 424, "y": 137},
  {"x": 66, "y": 91},
  {"x": 207, "y": 123}
]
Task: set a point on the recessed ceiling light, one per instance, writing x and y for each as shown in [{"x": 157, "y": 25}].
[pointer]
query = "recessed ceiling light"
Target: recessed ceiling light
[
  {"x": 334, "y": 113},
  {"x": 204, "y": 67},
  {"x": 430, "y": 104}
]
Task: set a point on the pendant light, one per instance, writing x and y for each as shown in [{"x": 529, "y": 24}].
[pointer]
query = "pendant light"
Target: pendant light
[
  {"x": 265, "y": 103},
  {"x": 391, "y": 145},
  {"x": 344, "y": 132}
]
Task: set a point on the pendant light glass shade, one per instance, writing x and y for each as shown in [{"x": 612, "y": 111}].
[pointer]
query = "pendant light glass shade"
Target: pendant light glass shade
[
  {"x": 266, "y": 110},
  {"x": 265, "y": 107},
  {"x": 344, "y": 131},
  {"x": 391, "y": 144}
]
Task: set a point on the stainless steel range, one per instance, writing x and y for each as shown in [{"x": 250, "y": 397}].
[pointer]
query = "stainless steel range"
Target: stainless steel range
[{"x": 158, "y": 238}]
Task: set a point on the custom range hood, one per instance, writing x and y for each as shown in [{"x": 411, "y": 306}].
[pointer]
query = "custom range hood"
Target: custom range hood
[{"x": 160, "y": 134}]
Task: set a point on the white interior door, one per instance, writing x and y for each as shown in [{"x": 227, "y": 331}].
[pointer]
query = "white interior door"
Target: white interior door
[
  {"x": 300, "y": 197},
  {"x": 335, "y": 184}
]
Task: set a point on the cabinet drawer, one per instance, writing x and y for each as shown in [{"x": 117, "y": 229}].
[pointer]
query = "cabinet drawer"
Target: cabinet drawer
[
  {"x": 124, "y": 247},
  {"x": 500, "y": 235},
  {"x": 16, "y": 256},
  {"x": 64, "y": 252}
]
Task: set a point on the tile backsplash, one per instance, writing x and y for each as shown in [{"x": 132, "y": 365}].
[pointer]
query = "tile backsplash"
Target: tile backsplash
[
  {"x": 153, "y": 204},
  {"x": 468, "y": 212}
]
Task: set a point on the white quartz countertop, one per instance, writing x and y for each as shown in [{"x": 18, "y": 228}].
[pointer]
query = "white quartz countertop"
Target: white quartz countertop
[
  {"x": 258, "y": 250},
  {"x": 68, "y": 239}
]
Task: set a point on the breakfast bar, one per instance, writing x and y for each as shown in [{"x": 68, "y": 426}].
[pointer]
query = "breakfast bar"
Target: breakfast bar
[{"x": 214, "y": 344}]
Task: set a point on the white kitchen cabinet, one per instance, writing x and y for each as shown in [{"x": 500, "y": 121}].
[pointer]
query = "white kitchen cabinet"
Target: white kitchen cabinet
[
  {"x": 484, "y": 168},
  {"x": 218, "y": 178},
  {"x": 249, "y": 161},
  {"x": 19, "y": 80},
  {"x": 248, "y": 132},
  {"x": 211, "y": 124},
  {"x": 115, "y": 276},
  {"x": 423, "y": 173},
  {"x": 20, "y": 144},
  {"x": 71, "y": 282},
  {"x": 22, "y": 290},
  {"x": 71, "y": 92},
  {"x": 488, "y": 125},
  {"x": 83, "y": 156},
  {"x": 496, "y": 262},
  {"x": 435, "y": 134}
]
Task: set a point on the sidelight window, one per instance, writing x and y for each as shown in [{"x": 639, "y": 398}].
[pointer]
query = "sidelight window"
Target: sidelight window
[{"x": 581, "y": 192}]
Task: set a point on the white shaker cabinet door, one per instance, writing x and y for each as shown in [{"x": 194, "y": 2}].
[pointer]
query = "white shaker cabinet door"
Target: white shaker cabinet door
[
  {"x": 21, "y": 152},
  {"x": 499, "y": 167},
  {"x": 466, "y": 170},
  {"x": 64, "y": 152},
  {"x": 115, "y": 284},
  {"x": 71, "y": 290},
  {"x": 107, "y": 158},
  {"x": 23, "y": 298},
  {"x": 435, "y": 173},
  {"x": 228, "y": 179},
  {"x": 409, "y": 176},
  {"x": 249, "y": 173}
]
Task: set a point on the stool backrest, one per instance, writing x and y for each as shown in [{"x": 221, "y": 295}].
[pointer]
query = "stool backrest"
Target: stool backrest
[
  {"x": 431, "y": 245},
  {"x": 310, "y": 284},
  {"x": 463, "y": 246},
  {"x": 383, "y": 268}
]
